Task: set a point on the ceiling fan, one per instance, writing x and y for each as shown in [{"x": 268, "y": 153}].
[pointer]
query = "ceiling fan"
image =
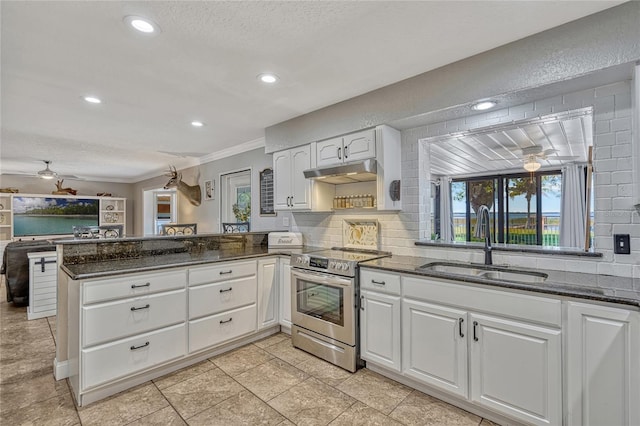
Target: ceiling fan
[
  {"x": 532, "y": 155},
  {"x": 46, "y": 173}
]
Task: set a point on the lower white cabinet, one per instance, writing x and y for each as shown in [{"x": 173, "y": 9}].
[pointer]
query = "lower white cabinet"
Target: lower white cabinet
[
  {"x": 434, "y": 345},
  {"x": 220, "y": 328},
  {"x": 603, "y": 365},
  {"x": 43, "y": 284},
  {"x": 380, "y": 329},
  {"x": 268, "y": 293},
  {"x": 285, "y": 292},
  {"x": 516, "y": 369}
]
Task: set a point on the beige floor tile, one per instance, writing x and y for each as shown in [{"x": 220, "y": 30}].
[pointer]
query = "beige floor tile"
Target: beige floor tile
[
  {"x": 240, "y": 360},
  {"x": 326, "y": 372},
  {"x": 421, "y": 409},
  {"x": 26, "y": 392},
  {"x": 272, "y": 340},
  {"x": 183, "y": 374},
  {"x": 312, "y": 402},
  {"x": 23, "y": 350},
  {"x": 375, "y": 390},
  {"x": 56, "y": 411},
  {"x": 198, "y": 393},
  {"x": 52, "y": 326},
  {"x": 486, "y": 422},
  {"x": 125, "y": 407},
  {"x": 165, "y": 417},
  {"x": 241, "y": 409},
  {"x": 286, "y": 423},
  {"x": 25, "y": 369},
  {"x": 360, "y": 414},
  {"x": 25, "y": 331},
  {"x": 271, "y": 378},
  {"x": 286, "y": 352}
]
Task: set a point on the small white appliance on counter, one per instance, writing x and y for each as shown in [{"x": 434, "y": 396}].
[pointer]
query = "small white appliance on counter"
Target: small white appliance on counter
[{"x": 285, "y": 240}]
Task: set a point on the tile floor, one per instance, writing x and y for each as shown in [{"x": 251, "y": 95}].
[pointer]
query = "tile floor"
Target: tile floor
[{"x": 268, "y": 383}]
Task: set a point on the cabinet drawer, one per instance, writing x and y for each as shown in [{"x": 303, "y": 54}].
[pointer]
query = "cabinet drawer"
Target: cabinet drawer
[
  {"x": 108, "y": 362},
  {"x": 115, "y": 320},
  {"x": 380, "y": 281},
  {"x": 221, "y": 272},
  {"x": 219, "y": 328},
  {"x": 133, "y": 285},
  {"x": 516, "y": 305},
  {"x": 210, "y": 299}
]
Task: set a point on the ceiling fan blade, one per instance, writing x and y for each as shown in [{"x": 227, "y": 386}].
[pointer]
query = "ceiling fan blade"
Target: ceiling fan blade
[{"x": 561, "y": 157}]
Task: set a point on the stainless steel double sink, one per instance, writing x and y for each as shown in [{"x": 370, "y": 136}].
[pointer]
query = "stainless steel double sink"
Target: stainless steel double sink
[{"x": 490, "y": 272}]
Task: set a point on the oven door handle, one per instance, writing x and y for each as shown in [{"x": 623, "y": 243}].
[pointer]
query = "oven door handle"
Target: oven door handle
[{"x": 320, "y": 278}]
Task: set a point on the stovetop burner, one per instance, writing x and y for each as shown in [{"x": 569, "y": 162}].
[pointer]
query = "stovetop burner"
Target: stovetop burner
[{"x": 337, "y": 260}]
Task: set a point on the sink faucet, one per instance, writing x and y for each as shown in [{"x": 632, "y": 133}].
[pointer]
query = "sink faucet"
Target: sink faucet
[{"x": 483, "y": 220}]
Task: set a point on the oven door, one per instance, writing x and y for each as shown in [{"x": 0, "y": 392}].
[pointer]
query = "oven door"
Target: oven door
[{"x": 324, "y": 303}]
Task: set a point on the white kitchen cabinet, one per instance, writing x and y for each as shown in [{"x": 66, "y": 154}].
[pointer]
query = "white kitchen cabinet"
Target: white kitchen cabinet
[
  {"x": 352, "y": 147},
  {"x": 603, "y": 365},
  {"x": 292, "y": 189},
  {"x": 380, "y": 329},
  {"x": 434, "y": 345},
  {"x": 267, "y": 293},
  {"x": 284, "y": 274},
  {"x": 43, "y": 284},
  {"x": 516, "y": 369}
]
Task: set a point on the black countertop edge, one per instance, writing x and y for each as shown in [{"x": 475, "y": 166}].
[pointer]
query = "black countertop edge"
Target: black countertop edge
[
  {"x": 108, "y": 268},
  {"x": 400, "y": 265},
  {"x": 512, "y": 248}
]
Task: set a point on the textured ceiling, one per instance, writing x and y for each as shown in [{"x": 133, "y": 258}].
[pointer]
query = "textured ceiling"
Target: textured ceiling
[{"x": 203, "y": 65}]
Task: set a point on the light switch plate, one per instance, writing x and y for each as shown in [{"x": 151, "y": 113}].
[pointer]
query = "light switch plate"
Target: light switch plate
[
  {"x": 285, "y": 221},
  {"x": 621, "y": 244}
]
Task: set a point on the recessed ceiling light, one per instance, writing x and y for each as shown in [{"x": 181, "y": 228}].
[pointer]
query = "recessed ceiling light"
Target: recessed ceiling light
[
  {"x": 197, "y": 123},
  {"x": 92, "y": 99},
  {"x": 268, "y": 78},
  {"x": 143, "y": 25},
  {"x": 484, "y": 105}
]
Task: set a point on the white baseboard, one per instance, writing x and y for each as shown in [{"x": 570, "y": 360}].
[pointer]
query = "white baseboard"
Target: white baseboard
[{"x": 60, "y": 369}]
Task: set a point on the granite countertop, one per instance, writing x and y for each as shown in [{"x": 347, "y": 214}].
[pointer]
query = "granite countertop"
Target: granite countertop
[
  {"x": 570, "y": 284},
  {"x": 105, "y": 268}
]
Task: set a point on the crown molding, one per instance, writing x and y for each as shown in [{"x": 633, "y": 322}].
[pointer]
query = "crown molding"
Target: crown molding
[{"x": 238, "y": 149}]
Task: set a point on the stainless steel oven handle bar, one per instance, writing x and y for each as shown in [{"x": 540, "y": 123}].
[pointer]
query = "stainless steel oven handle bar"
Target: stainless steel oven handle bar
[{"x": 320, "y": 278}]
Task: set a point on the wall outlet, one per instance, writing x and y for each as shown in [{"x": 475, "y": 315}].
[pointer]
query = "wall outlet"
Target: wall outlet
[
  {"x": 621, "y": 244},
  {"x": 285, "y": 221}
]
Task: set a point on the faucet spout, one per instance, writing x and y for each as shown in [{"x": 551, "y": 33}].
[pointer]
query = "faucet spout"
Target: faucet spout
[{"x": 483, "y": 222}]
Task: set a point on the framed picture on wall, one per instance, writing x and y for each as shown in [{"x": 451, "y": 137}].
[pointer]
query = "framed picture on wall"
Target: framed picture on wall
[{"x": 209, "y": 189}]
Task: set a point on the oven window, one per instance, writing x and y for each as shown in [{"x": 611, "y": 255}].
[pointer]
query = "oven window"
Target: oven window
[{"x": 320, "y": 301}]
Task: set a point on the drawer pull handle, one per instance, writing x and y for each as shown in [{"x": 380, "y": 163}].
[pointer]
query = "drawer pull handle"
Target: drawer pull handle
[
  {"x": 362, "y": 303},
  {"x": 460, "y": 322},
  {"x": 377, "y": 282},
  {"x": 224, "y": 322},
  {"x": 226, "y": 272},
  {"x": 133, "y": 308},
  {"x": 133, "y": 348},
  {"x": 140, "y": 285},
  {"x": 475, "y": 325},
  {"x": 224, "y": 291}
]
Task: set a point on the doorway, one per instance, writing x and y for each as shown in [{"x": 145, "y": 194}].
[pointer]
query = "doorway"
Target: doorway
[
  {"x": 235, "y": 199},
  {"x": 160, "y": 207}
]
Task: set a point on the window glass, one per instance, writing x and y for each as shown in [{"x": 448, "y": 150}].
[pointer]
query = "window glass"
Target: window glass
[{"x": 521, "y": 217}]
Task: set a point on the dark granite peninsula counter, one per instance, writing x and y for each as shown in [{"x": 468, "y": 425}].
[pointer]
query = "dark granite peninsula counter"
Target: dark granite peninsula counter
[{"x": 569, "y": 284}]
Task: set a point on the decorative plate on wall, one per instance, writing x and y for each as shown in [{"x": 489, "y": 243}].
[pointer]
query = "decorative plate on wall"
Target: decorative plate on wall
[{"x": 360, "y": 234}]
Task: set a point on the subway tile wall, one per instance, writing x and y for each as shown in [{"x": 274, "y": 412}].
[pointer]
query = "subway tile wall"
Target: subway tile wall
[{"x": 613, "y": 171}]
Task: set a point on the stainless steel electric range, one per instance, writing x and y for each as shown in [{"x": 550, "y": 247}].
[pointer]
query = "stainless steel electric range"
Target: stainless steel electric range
[{"x": 324, "y": 303}]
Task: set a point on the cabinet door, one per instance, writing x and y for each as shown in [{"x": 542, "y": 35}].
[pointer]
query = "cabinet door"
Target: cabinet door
[
  {"x": 359, "y": 146},
  {"x": 267, "y": 293},
  {"x": 285, "y": 292},
  {"x": 516, "y": 369},
  {"x": 282, "y": 179},
  {"x": 603, "y": 365},
  {"x": 380, "y": 329},
  {"x": 301, "y": 187},
  {"x": 434, "y": 345},
  {"x": 329, "y": 152}
]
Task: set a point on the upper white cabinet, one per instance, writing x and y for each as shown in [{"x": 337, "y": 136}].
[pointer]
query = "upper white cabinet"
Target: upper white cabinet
[
  {"x": 292, "y": 190},
  {"x": 603, "y": 365},
  {"x": 356, "y": 146}
]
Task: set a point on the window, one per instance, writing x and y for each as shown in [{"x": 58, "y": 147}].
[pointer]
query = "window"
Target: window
[
  {"x": 236, "y": 197},
  {"x": 525, "y": 208}
]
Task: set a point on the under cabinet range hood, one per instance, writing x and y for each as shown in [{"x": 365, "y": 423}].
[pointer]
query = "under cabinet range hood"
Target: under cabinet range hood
[{"x": 355, "y": 171}]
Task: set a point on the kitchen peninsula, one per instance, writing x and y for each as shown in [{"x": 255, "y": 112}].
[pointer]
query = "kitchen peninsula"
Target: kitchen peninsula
[{"x": 133, "y": 309}]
